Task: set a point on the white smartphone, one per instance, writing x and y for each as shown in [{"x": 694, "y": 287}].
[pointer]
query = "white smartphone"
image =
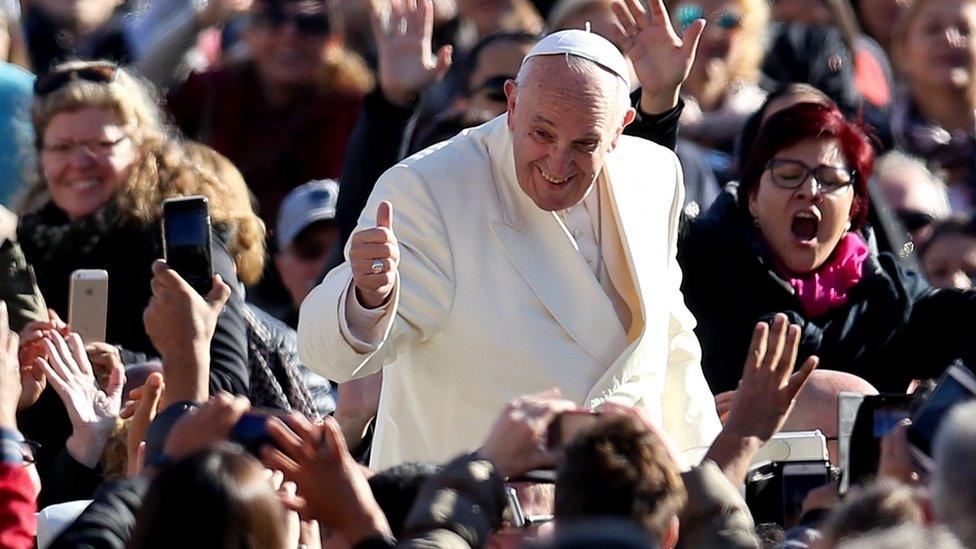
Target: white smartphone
[{"x": 88, "y": 304}]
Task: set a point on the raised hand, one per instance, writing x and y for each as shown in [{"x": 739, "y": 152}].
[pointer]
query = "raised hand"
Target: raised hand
[
  {"x": 769, "y": 387},
  {"x": 206, "y": 425},
  {"x": 93, "y": 411},
  {"x": 514, "y": 445},
  {"x": 764, "y": 398},
  {"x": 140, "y": 412},
  {"x": 375, "y": 255},
  {"x": 33, "y": 380},
  {"x": 403, "y": 41},
  {"x": 662, "y": 59},
  {"x": 330, "y": 482},
  {"x": 180, "y": 323}
]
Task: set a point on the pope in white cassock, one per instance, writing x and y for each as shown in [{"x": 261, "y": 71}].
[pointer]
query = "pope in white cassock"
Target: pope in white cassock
[{"x": 534, "y": 251}]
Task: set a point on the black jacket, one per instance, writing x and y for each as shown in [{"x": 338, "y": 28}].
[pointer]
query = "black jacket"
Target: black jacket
[
  {"x": 894, "y": 327},
  {"x": 126, "y": 249}
]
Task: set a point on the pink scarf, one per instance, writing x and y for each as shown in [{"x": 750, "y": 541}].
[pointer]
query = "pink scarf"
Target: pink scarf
[{"x": 827, "y": 287}]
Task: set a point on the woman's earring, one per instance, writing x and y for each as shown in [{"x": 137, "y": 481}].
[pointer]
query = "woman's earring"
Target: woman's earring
[{"x": 755, "y": 222}]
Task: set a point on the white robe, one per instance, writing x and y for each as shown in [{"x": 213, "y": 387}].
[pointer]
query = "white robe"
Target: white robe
[{"x": 494, "y": 300}]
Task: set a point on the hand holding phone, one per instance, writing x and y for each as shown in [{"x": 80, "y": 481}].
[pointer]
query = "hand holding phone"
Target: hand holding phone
[
  {"x": 957, "y": 385},
  {"x": 187, "y": 243}
]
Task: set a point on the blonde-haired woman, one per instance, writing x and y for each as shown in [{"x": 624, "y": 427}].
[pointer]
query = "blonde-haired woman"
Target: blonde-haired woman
[
  {"x": 935, "y": 53},
  {"x": 106, "y": 162},
  {"x": 722, "y": 89}
]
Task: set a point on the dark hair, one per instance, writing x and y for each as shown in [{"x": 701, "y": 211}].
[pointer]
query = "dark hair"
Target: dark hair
[
  {"x": 619, "y": 468},
  {"x": 467, "y": 66},
  {"x": 885, "y": 504},
  {"x": 948, "y": 227},
  {"x": 812, "y": 121},
  {"x": 395, "y": 489},
  {"x": 218, "y": 497},
  {"x": 747, "y": 139}
]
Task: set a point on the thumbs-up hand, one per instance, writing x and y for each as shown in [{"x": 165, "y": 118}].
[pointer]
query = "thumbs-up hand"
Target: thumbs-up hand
[{"x": 374, "y": 255}]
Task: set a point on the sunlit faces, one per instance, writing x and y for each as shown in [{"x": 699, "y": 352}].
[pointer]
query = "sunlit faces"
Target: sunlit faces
[
  {"x": 302, "y": 262},
  {"x": 802, "y": 226},
  {"x": 939, "y": 50},
  {"x": 563, "y": 125},
  {"x": 719, "y": 39},
  {"x": 86, "y": 155},
  {"x": 950, "y": 261},
  {"x": 288, "y": 42}
]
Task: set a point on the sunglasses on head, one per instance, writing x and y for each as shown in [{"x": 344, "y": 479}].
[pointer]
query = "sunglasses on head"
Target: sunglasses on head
[
  {"x": 493, "y": 88},
  {"x": 309, "y": 24},
  {"x": 102, "y": 74},
  {"x": 689, "y": 13}
]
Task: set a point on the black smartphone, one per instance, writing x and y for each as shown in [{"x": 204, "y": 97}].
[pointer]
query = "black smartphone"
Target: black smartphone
[
  {"x": 567, "y": 425},
  {"x": 798, "y": 479},
  {"x": 187, "y": 244},
  {"x": 251, "y": 430},
  {"x": 957, "y": 384},
  {"x": 875, "y": 418}
]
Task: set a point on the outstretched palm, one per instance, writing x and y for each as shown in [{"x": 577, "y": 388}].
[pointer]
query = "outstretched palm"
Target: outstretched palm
[
  {"x": 662, "y": 59},
  {"x": 403, "y": 41}
]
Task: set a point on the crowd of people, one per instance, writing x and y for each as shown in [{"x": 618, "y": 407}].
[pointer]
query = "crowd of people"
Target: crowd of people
[{"x": 504, "y": 273}]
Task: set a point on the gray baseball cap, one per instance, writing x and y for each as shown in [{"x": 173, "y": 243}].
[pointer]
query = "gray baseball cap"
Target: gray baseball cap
[{"x": 304, "y": 205}]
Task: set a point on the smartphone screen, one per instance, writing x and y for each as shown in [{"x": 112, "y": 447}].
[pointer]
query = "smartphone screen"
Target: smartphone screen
[
  {"x": 957, "y": 385},
  {"x": 798, "y": 479},
  {"x": 876, "y": 416},
  {"x": 187, "y": 241}
]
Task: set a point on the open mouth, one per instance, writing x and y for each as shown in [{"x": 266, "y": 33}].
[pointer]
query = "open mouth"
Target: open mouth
[{"x": 805, "y": 226}]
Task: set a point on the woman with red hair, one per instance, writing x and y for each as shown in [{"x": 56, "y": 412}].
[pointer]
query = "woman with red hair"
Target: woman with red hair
[{"x": 792, "y": 238}]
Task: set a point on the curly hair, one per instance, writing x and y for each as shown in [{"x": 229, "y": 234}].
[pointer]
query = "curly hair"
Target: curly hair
[
  {"x": 232, "y": 205},
  {"x": 165, "y": 167},
  {"x": 161, "y": 170}
]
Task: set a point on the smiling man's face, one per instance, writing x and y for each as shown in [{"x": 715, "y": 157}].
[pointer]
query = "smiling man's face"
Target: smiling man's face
[{"x": 563, "y": 125}]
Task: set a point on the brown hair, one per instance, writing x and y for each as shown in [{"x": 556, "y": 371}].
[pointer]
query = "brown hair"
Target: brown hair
[
  {"x": 165, "y": 167},
  {"x": 882, "y": 505},
  {"x": 619, "y": 468},
  {"x": 218, "y": 497}
]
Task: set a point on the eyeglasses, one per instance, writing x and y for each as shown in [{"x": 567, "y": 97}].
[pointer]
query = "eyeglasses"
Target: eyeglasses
[
  {"x": 52, "y": 81},
  {"x": 309, "y": 24},
  {"x": 689, "y": 13},
  {"x": 29, "y": 450},
  {"x": 95, "y": 147},
  {"x": 790, "y": 174},
  {"x": 493, "y": 88}
]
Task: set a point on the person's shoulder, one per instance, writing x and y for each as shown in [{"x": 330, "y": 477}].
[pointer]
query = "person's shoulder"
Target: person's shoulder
[
  {"x": 15, "y": 80},
  {"x": 457, "y": 159}
]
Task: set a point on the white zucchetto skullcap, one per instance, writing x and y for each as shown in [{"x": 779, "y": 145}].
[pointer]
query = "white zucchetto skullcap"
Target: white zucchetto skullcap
[{"x": 587, "y": 45}]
